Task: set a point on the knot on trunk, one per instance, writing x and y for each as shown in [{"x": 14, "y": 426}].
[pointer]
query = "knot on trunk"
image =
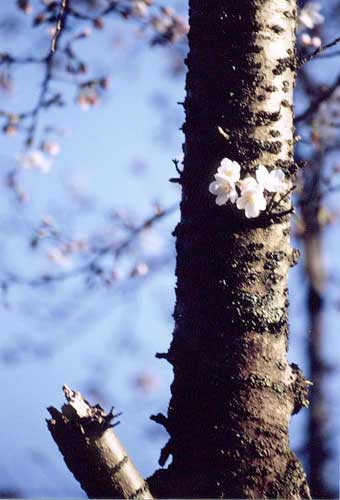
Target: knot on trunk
[{"x": 300, "y": 389}]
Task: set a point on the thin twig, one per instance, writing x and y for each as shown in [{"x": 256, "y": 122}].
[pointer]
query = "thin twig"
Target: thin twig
[
  {"x": 8, "y": 59},
  {"x": 59, "y": 25},
  {"x": 330, "y": 56},
  {"x": 318, "y": 51},
  {"x": 315, "y": 104},
  {"x": 92, "y": 264},
  {"x": 66, "y": 10},
  {"x": 283, "y": 197}
]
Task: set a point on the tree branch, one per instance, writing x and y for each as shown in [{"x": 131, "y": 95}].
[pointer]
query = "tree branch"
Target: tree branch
[
  {"x": 92, "y": 265},
  {"x": 164, "y": 25},
  {"x": 93, "y": 452},
  {"x": 319, "y": 51},
  {"x": 315, "y": 104},
  {"x": 59, "y": 25}
]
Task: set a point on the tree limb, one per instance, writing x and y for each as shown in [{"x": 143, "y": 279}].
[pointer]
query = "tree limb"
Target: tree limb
[
  {"x": 319, "y": 51},
  {"x": 92, "y": 265},
  {"x": 60, "y": 25},
  {"x": 93, "y": 452},
  {"x": 315, "y": 104}
]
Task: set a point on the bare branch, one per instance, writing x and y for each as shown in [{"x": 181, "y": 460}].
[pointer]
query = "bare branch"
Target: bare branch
[
  {"x": 336, "y": 53},
  {"x": 92, "y": 265},
  {"x": 60, "y": 24},
  {"x": 163, "y": 26},
  {"x": 315, "y": 104},
  {"x": 319, "y": 51},
  {"x": 93, "y": 452}
]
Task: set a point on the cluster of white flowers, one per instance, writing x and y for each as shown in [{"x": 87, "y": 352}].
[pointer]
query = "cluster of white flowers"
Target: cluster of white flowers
[
  {"x": 248, "y": 193},
  {"x": 310, "y": 41},
  {"x": 58, "y": 257},
  {"x": 168, "y": 26},
  {"x": 51, "y": 148},
  {"x": 308, "y": 19},
  {"x": 62, "y": 255},
  {"x": 34, "y": 160},
  {"x": 139, "y": 8},
  {"x": 87, "y": 98},
  {"x": 310, "y": 16}
]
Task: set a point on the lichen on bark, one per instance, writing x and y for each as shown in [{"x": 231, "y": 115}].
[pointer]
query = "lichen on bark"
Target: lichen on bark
[{"x": 233, "y": 391}]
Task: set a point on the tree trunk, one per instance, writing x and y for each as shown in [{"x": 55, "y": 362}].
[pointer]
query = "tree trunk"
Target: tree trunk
[
  {"x": 317, "y": 448},
  {"x": 233, "y": 391}
]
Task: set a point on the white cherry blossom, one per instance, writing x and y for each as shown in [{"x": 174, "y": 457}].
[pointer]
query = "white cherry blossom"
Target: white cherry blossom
[
  {"x": 224, "y": 190},
  {"x": 228, "y": 169},
  {"x": 58, "y": 257},
  {"x": 273, "y": 181},
  {"x": 51, "y": 148},
  {"x": 316, "y": 42},
  {"x": 306, "y": 39},
  {"x": 250, "y": 183},
  {"x": 34, "y": 160},
  {"x": 252, "y": 199},
  {"x": 139, "y": 8},
  {"x": 309, "y": 41},
  {"x": 224, "y": 186},
  {"x": 249, "y": 192},
  {"x": 310, "y": 16}
]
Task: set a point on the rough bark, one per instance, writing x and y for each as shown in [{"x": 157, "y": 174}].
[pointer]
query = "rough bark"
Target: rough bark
[
  {"x": 317, "y": 448},
  {"x": 92, "y": 451},
  {"x": 233, "y": 391}
]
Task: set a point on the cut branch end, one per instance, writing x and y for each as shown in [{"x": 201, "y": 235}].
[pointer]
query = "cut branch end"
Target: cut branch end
[{"x": 92, "y": 451}]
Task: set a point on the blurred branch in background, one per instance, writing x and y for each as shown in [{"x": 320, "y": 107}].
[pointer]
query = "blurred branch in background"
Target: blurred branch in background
[
  {"x": 317, "y": 445},
  {"x": 318, "y": 180},
  {"x": 93, "y": 265},
  {"x": 165, "y": 26}
]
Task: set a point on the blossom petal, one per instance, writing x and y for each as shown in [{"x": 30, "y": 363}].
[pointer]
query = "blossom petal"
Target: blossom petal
[
  {"x": 262, "y": 174},
  {"x": 310, "y": 16},
  {"x": 248, "y": 183},
  {"x": 251, "y": 211},
  {"x": 226, "y": 163},
  {"x": 276, "y": 181},
  {"x": 277, "y": 174},
  {"x": 233, "y": 196},
  {"x": 222, "y": 199},
  {"x": 222, "y": 178},
  {"x": 213, "y": 187},
  {"x": 229, "y": 169},
  {"x": 261, "y": 204},
  {"x": 241, "y": 203}
]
